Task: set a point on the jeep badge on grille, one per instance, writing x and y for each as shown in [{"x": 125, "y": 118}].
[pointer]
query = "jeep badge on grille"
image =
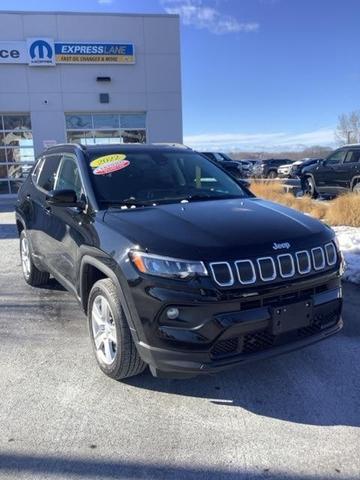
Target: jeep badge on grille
[{"x": 280, "y": 246}]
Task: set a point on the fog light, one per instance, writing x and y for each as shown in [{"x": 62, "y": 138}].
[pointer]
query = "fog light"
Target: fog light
[{"x": 172, "y": 313}]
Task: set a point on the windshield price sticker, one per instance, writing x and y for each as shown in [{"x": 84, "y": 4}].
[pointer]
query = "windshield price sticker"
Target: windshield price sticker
[
  {"x": 116, "y": 157},
  {"x": 109, "y": 164}
]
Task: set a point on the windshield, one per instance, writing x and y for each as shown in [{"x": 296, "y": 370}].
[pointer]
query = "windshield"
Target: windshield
[{"x": 149, "y": 177}]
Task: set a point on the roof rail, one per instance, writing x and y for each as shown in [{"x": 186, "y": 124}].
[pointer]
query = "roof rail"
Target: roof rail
[{"x": 171, "y": 144}]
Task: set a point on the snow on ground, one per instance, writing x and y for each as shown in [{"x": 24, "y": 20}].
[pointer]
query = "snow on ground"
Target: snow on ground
[{"x": 349, "y": 240}]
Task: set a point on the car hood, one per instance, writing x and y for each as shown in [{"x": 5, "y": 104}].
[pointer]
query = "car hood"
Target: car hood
[
  {"x": 230, "y": 163},
  {"x": 217, "y": 230}
]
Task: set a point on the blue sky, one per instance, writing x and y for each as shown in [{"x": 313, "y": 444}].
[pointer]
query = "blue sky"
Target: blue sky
[{"x": 256, "y": 73}]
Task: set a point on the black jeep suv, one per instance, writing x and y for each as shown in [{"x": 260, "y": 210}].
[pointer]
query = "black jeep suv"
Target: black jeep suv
[
  {"x": 176, "y": 265},
  {"x": 269, "y": 168},
  {"x": 338, "y": 173}
]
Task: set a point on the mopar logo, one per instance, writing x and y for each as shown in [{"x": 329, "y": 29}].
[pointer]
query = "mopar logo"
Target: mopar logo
[
  {"x": 41, "y": 51},
  {"x": 281, "y": 246}
]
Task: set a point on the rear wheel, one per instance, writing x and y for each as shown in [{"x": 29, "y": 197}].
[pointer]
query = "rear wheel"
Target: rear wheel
[
  {"x": 113, "y": 345},
  {"x": 32, "y": 275},
  {"x": 309, "y": 187},
  {"x": 356, "y": 188}
]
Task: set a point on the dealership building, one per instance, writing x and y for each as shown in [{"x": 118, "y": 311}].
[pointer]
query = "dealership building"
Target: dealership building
[{"x": 87, "y": 78}]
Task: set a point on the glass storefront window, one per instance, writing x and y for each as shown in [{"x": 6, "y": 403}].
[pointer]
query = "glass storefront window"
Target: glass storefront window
[
  {"x": 106, "y": 121},
  {"x": 17, "y": 122},
  {"x": 106, "y": 128},
  {"x": 4, "y": 187},
  {"x": 133, "y": 136},
  {"x": 18, "y": 170},
  {"x": 132, "y": 121},
  {"x": 78, "y": 121},
  {"x": 3, "y": 171},
  {"x": 16, "y": 150}
]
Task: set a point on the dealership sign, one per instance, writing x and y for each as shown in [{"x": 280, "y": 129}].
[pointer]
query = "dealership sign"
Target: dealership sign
[
  {"x": 13, "y": 52},
  {"x": 45, "y": 52},
  {"x": 94, "y": 53}
]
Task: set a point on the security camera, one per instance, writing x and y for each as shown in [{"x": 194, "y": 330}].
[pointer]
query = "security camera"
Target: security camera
[{"x": 46, "y": 102}]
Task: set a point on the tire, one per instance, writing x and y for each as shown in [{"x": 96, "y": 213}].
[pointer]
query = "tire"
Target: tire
[
  {"x": 32, "y": 275},
  {"x": 309, "y": 187},
  {"x": 272, "y": 174},
  {"x": 114, "y": 348},
  {"x": 356, "y": 188}
]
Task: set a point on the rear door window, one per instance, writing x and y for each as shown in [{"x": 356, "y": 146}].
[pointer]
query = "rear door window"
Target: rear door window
[{"x": 353, "y": 156}]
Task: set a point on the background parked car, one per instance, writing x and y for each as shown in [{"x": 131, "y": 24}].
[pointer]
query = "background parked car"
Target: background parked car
[
  {"x": 294, "y": 170},
  {"x": 269, "y": 168},
  {"x": 297, "y": 168},
  {"x": 232, "y": 166},
  {"x": 247, "y": 167},
  {"x": 339, "y": 172}
]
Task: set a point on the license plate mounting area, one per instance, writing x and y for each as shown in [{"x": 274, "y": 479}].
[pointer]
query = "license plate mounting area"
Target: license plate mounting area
[{"x": 291, "y": 317}]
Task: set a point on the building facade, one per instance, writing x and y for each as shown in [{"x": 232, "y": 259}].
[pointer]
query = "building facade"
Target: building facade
[{"x": 86, "y": 78}]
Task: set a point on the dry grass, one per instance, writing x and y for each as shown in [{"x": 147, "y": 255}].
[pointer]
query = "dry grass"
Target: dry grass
[{"x": 343, "y": 210}]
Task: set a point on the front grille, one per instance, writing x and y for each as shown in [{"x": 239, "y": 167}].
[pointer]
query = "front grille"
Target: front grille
[
  {"x": 273, "y": 268},
  {"x": 224, "y": 348},
  {"x": 255, "y": 342}
]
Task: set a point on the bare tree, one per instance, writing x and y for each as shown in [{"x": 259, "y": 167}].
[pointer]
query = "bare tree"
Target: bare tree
[{"x": 348, "y": 128}]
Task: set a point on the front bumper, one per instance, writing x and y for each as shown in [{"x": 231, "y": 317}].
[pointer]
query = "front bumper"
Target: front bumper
[
  {"x": 169, "y": 363},
  {"x": 212, "y": 336}
]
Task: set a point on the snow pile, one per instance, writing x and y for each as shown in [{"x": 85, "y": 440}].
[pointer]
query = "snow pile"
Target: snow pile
[{"x": 349, "y": 239}]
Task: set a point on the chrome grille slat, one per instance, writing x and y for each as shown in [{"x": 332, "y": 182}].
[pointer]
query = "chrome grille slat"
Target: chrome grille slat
[
  {"x": 292, "y": 272},
  {"x": 267, "y": 269},
  {"x": 231, "y": 276},
  {"x": 307, "y": 254},
  {"x": 268, "y": 278},
  {"x": 313, "y": 253},
  {"x": 237, "y": 266},
  {"x": 330, "y": 250}
]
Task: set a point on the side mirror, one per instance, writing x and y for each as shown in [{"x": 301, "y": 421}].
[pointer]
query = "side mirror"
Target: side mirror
[{"x": 63, "y": 198}]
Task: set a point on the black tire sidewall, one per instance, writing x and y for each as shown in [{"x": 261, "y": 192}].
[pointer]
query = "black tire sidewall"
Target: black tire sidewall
[{"x": 123, "y": 334}]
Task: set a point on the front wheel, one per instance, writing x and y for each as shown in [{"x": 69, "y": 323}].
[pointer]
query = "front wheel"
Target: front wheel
[
  {"x": 309, "y": 187},
  {"x": 113, "y": 345},
  {"x": 272, "y": 174},
  {"x": 32, "y": 275}
]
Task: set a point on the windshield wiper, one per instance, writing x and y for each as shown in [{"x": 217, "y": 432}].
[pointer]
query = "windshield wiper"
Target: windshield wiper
[
  {"x": 130, "y": 202},
  {"x": 200, "y": 197}
]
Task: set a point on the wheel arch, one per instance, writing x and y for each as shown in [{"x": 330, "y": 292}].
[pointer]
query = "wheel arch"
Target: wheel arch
[
  {"x": 91, "y": 270},
  {"x": 20, "y": 224}
]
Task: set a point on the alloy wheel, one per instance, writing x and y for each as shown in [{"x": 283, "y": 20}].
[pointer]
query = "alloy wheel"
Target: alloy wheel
[
  {"x": 25, "y": 257},
  {"x": 104, "y": 330}
]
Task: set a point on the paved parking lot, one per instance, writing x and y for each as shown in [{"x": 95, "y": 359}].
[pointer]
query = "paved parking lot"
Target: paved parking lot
[{"x": 294, "y": 417}]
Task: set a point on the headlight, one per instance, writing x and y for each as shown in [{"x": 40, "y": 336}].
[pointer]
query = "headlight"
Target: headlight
[{"x": 166, "y": 266}]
